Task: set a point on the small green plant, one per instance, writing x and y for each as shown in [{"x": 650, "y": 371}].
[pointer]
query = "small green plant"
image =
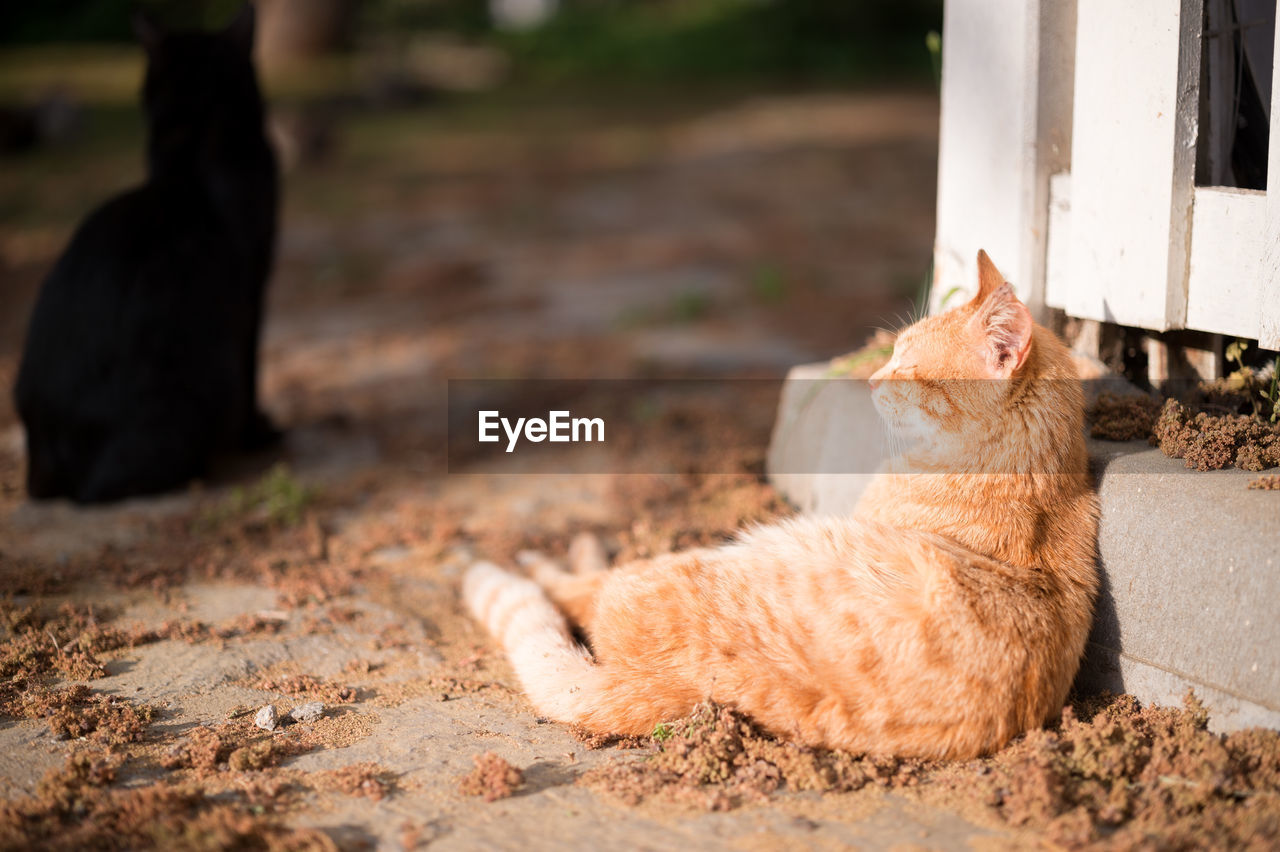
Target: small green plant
[
  {"x": 847, "y": 364},
  {"x": 282, "y": 497},
  {"x": 663, "y": 731},
  {"x": 633, "y": 317},
  {"x": 277, "y": 498},
  {"x": 1246, "y": 380},
  {"x": 769, "y": 284},
  {"x": 690, "y": 305},
  {"x": 933, "y": 43},
  {"x": 645, "y": 409},
  {"x": 1272, "y": 396},
  {"x": 1235, "y": 352},
  {"x": 951, "y": 293}
]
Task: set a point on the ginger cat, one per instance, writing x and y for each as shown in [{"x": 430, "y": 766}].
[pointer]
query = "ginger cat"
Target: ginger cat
[{"x": 946, "y": 616}]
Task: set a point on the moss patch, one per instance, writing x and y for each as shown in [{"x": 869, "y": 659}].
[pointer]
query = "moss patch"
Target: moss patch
[
  {"x": 1119, "y": 775},
  {"x": 1271, "y": 482},
  {"x": 304, "y": 686},
  {"x": 1215, "y": 427},
  {"x": 717, "y": 759},
  {"x": 359, "y": 779},
  {"x": 1121, "y": 417},
  {"x": 493, "y": 778},
  {"x": 1214, "y": 441},
  {"x": 237, "y": 745},
  {"x": 862, "y": 363},
  {"x": 75, "y": 809},
  {"x": 78, "y": 711},
  {"x": 1111, "y": 773}
]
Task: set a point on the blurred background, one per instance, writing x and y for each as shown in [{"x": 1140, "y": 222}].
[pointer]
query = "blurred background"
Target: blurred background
[{"x": 511, "y": 188}]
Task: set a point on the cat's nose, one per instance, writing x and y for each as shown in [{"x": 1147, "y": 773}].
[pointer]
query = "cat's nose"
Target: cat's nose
[{"x": 878, "y": 376}]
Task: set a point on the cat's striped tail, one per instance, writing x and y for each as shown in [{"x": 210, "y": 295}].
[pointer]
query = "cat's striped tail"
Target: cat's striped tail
[{"x": 557, "y": 673}]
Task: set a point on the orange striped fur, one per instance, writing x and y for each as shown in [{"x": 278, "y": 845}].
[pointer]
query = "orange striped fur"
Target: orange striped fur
[{"x": 947, "y": 615}]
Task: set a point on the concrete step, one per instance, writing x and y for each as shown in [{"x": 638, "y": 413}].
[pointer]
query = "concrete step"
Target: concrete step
[{"x": 1190, "y": 561}]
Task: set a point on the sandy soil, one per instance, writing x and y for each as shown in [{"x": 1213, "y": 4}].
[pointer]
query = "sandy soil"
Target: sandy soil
[{"x": 141, "y": 639}]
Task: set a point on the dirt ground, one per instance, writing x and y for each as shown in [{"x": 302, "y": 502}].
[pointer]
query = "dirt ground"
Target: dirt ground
[{"x": 730, "y": 238}]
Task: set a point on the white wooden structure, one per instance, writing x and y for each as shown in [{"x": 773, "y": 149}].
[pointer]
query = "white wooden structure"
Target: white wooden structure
[{"x": 1068, "y": 151}]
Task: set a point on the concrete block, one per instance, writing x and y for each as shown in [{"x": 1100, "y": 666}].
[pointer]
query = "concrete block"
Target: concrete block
[
  {"x": 1190, "y": 561},
  {"x": 827, "y": 441}
]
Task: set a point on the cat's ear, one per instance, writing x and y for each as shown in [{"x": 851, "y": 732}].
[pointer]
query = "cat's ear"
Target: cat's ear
[
  {"x": 989, "y": 278},
  {"x": 148, "y": 31},
  {"x": 1004, "y": 329},
  {"x": 240, "y": 30}
]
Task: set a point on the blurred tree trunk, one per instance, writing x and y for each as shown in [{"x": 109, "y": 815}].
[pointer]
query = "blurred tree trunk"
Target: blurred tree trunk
[{"x": 292, "y": 30}]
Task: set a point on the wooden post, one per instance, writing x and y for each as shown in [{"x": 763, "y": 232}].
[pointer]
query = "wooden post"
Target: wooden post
[
  {"x": 1269, "y": 280},
  {"x": 1007, "y": 73},
  {"x": 1133, "y": 160}
]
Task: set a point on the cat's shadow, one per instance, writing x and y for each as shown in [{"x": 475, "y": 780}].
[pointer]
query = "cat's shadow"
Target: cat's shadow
[
  {"x": 544, "y": 775},
  {"x": 1100, "y": 669}
]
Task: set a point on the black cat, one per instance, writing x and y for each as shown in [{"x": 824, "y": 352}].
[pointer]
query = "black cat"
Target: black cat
[{"x": 141, "y": 359}]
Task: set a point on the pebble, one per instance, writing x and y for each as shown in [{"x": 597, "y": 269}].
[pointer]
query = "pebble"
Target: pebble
[
  {"x": 266, "y": 717},
  {"x": 308, "y": 712}
]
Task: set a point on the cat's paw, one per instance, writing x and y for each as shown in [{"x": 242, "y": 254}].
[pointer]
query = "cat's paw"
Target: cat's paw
[
  {"x": 546, "y": 572},
  {"x": 587, "y": 554},
  {"x": 531, "y": 559}
]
